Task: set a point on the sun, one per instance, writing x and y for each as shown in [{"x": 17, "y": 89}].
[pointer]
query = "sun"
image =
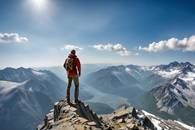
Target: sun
[
  {"x": 39, "y": 7},
  {"x": 40, "y": 4}
]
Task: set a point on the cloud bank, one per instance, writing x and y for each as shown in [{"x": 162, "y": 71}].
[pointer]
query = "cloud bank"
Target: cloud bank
[
  {"x": 118, "y": 48},
  {"x": 70, "y": 47},
  {"x": 12, "y": 38},
  {"x": 186, "y": 44}
]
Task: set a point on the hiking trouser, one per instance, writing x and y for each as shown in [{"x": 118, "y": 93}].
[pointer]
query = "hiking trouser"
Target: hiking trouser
[{"x": 76, "y": 84}]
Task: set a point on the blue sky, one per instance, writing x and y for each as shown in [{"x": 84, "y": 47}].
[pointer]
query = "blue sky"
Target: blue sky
[{"x": 41, "y": 32}]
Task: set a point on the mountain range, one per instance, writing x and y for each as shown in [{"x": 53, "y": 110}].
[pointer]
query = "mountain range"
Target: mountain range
[
  {"x": 166, "y": 90},
  {"x": 176, "y": 98},
  {"x": 26, "y": 95}
]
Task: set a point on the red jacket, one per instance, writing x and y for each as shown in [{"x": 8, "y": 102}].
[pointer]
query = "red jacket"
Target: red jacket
[{"x": 77, "y": 68}]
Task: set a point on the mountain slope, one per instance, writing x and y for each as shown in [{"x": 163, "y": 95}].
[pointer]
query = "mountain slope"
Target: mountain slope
[
  {"x": 129, "y": 81},
  {"x": 114, "y": 80},
  {"x": 169, "y": 88},
  {"x": 25, "y": 96},
  {"x": 176, "y": 98}
]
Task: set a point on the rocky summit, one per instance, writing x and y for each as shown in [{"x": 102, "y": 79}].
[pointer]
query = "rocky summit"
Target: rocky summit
[{"x": 81, "y": 117}]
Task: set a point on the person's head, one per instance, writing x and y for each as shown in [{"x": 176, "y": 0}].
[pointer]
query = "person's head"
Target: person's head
[{"x": 73, "y": 52}]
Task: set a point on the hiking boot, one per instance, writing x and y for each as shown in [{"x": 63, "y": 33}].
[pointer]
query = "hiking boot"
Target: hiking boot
[
  {"x": 68, "y": 100},
  {"x": 77, "y": 101},
  {"x": 70, "y": 103}
]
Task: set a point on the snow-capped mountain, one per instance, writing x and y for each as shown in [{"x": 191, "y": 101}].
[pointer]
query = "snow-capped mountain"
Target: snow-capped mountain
[
  {"x": 26, "y": 95},
  {"x": 170, "y": 88},
  {"x": 173, "y": 69},
  {"x": 128, "y": 81},
  {"x": 21, "y": 74},
  {"x": 176, "y": 97},
  {"x": 180, "y": 90}
]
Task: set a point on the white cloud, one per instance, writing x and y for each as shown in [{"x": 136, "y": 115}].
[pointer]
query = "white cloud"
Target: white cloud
[
  {"x": 70, "y": 47},
  {"x": 118, "y": 48},
  {"x": 12, "y": 38},
  {"x": 186, "y": 44}
]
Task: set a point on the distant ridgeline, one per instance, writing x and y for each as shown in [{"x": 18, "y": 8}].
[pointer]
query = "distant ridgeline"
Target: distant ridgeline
[
  {"x": 25, "y": 97},
  {"x": 164, "y": 90},
  {"x": 167, "y": 91}
]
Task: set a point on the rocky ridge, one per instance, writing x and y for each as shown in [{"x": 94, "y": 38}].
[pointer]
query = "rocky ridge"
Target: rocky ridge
[{"x": 81, "y": 117}]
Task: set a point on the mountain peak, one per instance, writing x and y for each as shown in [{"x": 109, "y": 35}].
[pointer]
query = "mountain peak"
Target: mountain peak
[
  {"x": 180, "y": 82},
  {"x": 19, "y": 74},
  {"x": 81, "y": 117},
  {"x": 179, "y": 67},
  {"x": 15, "y": 69},
  {"x": 180, "y": 64},
  {"x": 75, "y": 116},
  {"x": 174, "y": 63}
]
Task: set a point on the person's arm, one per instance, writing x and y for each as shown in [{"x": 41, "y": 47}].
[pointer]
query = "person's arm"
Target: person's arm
[
  {"x": 78, "y": 64},
  {"x": 64, "y": 64}
]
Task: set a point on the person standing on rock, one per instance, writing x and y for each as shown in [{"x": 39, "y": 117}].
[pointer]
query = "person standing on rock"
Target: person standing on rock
[{"x": 73, "y": 69}]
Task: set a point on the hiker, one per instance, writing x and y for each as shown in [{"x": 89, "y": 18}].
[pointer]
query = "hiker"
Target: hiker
[{"x": 73, "y": 68}]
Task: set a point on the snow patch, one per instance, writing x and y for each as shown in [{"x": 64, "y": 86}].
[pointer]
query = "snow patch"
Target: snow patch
[
  {"x": 156, "y": 123},
  {"x": 37, "y": 73},
  {"x": 155, "y": 120},
  {"x": 127, "y": 69},
  {"x": 7, "y": 86},
  {"x": 189, "y": 80},
  {"x": 146, "y": 68},
  {"x": 189, "y": 77},
  {"x": 185, "y": 126},
  {"x": 168, "y": 74},
  {"x": 30, "y": 89}
]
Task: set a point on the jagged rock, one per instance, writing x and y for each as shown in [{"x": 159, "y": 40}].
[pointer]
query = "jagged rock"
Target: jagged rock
[
  {"x": 121, "y": 113},
  {"x": 72, "y": 109},
  {"x": 120, "y": 120},
  {"x": 82, "y": 120},
  {"x": 132, "y": 127},
  {"x": 123, "y": 119},
  {"x": 134, "y": 113},
  {"x": 91, "y": 123},
  {"x": 148, "y": 123},
  {"x": 77, "y": 116},
  {"x": 81, "y": 117},
  {"x": 129, "y": 120}
]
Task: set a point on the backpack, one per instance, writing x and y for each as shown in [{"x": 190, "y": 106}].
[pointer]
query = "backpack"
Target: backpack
[{"x": 69, "y": 64}]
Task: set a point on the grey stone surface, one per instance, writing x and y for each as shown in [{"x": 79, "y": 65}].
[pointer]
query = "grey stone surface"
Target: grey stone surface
[{"x": 81, "y": 117}]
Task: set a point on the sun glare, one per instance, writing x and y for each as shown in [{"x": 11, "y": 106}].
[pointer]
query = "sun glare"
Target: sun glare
[
  {"x": 40, "y": 4},
  {"x": 39, "y": 9}
]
